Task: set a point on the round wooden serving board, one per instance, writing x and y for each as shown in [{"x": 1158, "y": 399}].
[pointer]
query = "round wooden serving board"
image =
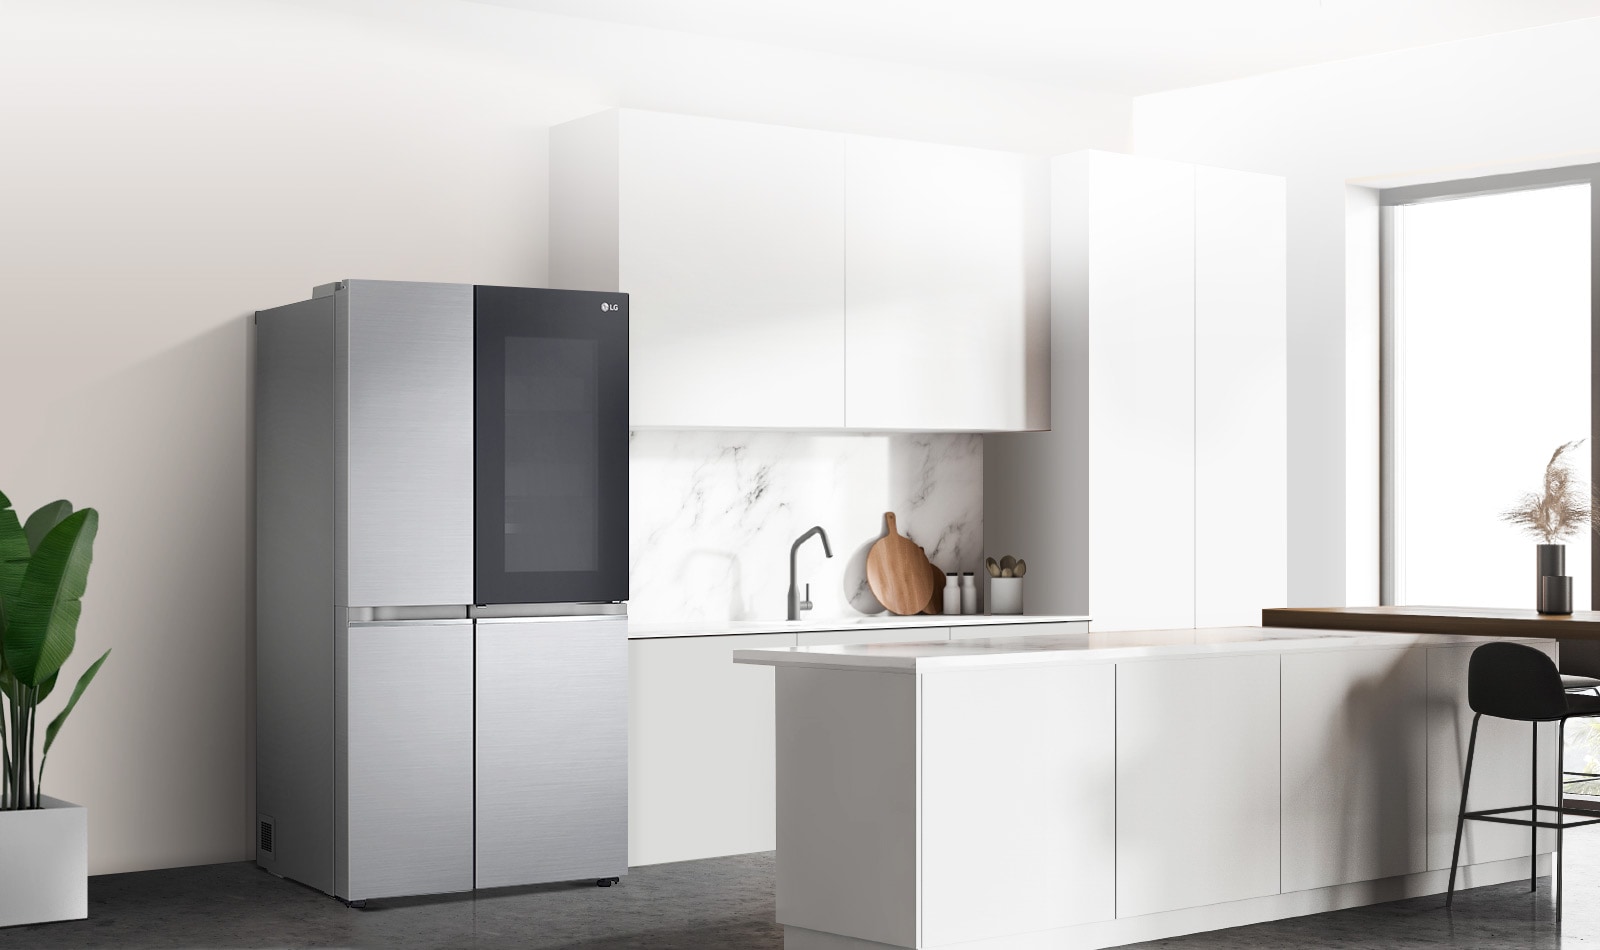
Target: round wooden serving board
[{"x": 897, "y": 572}]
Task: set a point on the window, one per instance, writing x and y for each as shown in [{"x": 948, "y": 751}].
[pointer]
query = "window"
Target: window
[{"x": 1487, "y": 331}]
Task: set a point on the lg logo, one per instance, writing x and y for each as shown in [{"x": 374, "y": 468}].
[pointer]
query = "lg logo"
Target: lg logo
[{"x": 610, "y": 306}]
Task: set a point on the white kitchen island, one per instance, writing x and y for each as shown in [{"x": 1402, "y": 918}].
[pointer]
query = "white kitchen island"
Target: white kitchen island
[{"x": 1093, "y": 790}]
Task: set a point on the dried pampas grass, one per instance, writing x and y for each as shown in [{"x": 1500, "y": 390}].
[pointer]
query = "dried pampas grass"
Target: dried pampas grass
[{"x": 1562, "y": 510}]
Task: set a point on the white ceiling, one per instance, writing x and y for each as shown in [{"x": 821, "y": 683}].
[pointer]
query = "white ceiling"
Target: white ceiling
[{"x": 1127, "y": 47}]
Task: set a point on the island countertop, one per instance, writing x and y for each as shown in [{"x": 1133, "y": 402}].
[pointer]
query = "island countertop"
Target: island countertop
[
  {"x": 700, "y": 628},
  {"x": 1087, "y": 648}
]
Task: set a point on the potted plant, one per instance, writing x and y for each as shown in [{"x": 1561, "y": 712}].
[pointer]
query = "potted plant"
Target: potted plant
[
  {"x": 1557, "y": 513},
  {"x": 44, "y": 569}
]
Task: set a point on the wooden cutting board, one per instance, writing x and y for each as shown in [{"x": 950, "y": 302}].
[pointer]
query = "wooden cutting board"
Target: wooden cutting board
[
  {"x": 936, "y": 599},
  {"x": 898, "y": 572}
]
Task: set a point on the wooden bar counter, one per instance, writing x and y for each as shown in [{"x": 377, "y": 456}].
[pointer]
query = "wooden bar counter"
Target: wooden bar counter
[{"x": 1469, "y": 621}]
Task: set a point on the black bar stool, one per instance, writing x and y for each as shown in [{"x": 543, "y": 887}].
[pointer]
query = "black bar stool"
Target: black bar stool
[
  {"x": 1514, "y": 681},
  {"x": 1580, "y": 665},
  {"x": 1580, "y": 671}
]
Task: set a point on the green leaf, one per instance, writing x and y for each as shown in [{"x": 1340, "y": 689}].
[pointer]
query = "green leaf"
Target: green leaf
[
  {"x": 14, "y": 553},
  {"x": 41, "y": 521},
  {"x": 46, "y": 687},
  {"x": 42, "y": 624},
  {"x": 77, "y": 691}
]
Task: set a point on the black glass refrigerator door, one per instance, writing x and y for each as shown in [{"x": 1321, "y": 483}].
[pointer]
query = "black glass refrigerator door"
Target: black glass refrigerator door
[{"x": 551, "y": 501}]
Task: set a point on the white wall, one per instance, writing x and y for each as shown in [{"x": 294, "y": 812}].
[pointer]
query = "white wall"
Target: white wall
[
  {"x": 1499, "y": 103},
  {"x": 171, "y": 166}
]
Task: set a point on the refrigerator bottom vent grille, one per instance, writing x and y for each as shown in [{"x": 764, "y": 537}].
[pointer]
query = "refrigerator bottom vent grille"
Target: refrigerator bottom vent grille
[{"x": 266, "y": 832}]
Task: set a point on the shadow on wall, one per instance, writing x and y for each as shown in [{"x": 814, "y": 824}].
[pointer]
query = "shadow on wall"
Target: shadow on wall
[
  {"x": 161, "y": 752},
  {"x": 937, "y": 495}
]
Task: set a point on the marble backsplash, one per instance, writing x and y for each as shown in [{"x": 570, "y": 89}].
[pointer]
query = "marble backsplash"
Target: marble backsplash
[{"x": 712, "y": 515}]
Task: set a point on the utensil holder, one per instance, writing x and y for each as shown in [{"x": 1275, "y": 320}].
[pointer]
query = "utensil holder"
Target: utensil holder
[{"x": 1005, "y": 595}]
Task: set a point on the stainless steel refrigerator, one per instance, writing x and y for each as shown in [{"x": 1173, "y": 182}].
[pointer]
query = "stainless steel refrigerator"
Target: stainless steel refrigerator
[{"x": 441, "y": 577}]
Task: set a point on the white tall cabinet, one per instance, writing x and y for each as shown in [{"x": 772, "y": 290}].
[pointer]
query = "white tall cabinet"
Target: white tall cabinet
[
  {"x": 1138, "y": 301},
  {"x": 1241, "y": 421},
  {"x": 1158, "y": 498},
  {"x": 803, "y": 279}
]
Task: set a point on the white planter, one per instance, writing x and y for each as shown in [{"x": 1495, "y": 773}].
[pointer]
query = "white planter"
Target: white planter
[{"x": 45, "y": 873}]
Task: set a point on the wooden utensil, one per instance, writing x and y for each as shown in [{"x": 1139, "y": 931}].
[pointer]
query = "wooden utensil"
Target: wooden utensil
[
  {"x": 1007, "y": 563},
  {"x": 897, "y": 572},
  {"x": 1020, "y": 569},
  {"x": 992, "y": 566},
  {"x": 936, "y": 599}
]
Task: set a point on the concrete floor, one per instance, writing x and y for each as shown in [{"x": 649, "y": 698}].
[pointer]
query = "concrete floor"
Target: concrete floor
[{"x": 719, "y": 904}]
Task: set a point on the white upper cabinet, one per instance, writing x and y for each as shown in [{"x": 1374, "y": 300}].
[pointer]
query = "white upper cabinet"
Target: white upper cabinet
[
  {"x": 728, "y": 238},
  {"x": 797, "y": 279},
  {"x": 943, "y": 267}
]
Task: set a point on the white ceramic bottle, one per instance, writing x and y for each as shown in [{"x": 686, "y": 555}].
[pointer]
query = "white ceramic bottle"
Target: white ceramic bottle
[
  {"x": 969, "y": 593},
  {"x": 952, "y": 594}
]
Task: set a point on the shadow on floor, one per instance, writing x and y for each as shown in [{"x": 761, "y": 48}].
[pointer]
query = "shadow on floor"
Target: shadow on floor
[{"x": 717, "y": 904}]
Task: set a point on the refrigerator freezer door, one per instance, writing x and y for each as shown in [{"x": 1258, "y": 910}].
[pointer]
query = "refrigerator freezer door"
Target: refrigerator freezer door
[
  {"x": 405, "y": 498},
  {"x": 552, "y": 750},
  {"x": 406, "y": 822}
]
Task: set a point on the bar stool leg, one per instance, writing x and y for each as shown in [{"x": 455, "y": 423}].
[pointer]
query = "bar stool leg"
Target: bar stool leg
[
  {"x": 1561, "y": 811},
  {"x": 1533, "y": 837},
  {"x": 1461, "y": 815}
]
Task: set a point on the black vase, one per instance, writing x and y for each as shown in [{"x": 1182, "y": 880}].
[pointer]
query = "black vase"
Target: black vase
[{"x": 1552, "y": 562}]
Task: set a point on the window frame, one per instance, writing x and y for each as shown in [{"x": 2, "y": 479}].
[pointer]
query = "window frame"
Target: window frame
[{"x": 1391, "y": 554}]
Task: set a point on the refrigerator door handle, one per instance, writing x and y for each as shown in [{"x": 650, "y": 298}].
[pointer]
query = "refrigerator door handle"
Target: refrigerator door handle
[
  {"x": 580, "y": 618},
  {"x": 554, "y": 611},
  {"x": 410, "y": 612}
]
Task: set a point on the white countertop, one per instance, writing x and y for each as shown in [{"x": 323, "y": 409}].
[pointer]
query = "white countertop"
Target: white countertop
[
  {"x": 714, "y": 628},
  {"x": 1087, "y": 647}
]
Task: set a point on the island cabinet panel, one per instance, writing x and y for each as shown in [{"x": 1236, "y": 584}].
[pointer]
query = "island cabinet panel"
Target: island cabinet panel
[
  {"x": 847, "y": 803},
  {"x": 1354, "y": 766},
  {"x": 701, "y": 754},
  {"x": 1197, "y": 782},
  {"x": 1500, "y": 772},
  {"x": 1018, "y": 801}
]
